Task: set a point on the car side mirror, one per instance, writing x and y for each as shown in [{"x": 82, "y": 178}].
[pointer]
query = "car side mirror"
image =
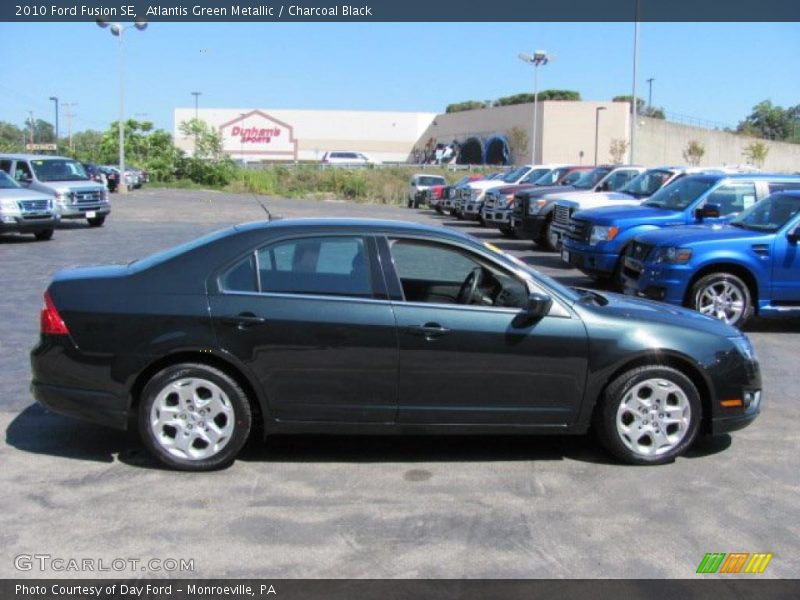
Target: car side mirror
[
  {"x": 606, "y": 187},
  {"x": 709, "y": 211},
  {"x": 538, "y": 306},
  {"x": 793, "y": 235}
]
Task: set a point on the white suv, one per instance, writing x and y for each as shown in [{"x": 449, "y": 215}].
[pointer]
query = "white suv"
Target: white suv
[{"x": 345, "y": 158}]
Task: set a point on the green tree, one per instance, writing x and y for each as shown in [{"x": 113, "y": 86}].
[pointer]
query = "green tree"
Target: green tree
[
  {"x": 518, "y": 144},
  {"x": 145, "y": 147},
  {"x": 756, "y": 153},
  {"x": 640, "y": 105},
  {"x": 209, "y": 165},
  {"x": 544, "y": 95},
  {"x": 12, "y": 138},
  {"x": 694, "y": 152},
  {"x": 771, "y": 122},
  {"x": 617, "y": 150},
  {"x": 468, "y": 105},
  {"x": 43, "y": 132}
]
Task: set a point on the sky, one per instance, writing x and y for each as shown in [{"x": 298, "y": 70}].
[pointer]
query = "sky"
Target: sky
[{"x": 711, "y": 71}]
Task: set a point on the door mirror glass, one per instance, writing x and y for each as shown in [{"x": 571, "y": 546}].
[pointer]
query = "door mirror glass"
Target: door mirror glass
[
  {"x": 794, "y": 234},
  {"x": 708, "y": 211}
]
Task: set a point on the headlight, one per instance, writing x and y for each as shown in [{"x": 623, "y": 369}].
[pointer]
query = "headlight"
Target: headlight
[
  {"x": 62, "y": 197},
  {"x": 672, "y": 255},
  {"x": 509, "y": 199},
  {"x": 744, "y": 347},
  {"x": 602, "y": 233},
  {"x": 8, "y": 204},
  {"x": 535, "y": 206}
]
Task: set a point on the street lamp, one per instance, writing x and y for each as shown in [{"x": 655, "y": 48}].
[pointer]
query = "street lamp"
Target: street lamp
[
  {"x": 55, "y": 101},
  {"x": 117, "y": 30},
  {"x": 597, "y": 130},
  {"x": 196, "y": 96},
  {"x": 650, "y": 92},
  {"x": 539, "y": 57},
  {"x": 635, "y": 107}
]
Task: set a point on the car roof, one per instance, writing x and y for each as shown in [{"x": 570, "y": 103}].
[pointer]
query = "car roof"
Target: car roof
[
  {"x": 366, "y": 225},
  {"x": 427, "y": 175},
  {"x": 33, "y": 156}
]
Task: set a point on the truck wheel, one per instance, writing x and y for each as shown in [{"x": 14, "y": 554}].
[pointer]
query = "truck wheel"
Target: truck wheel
[
  {"x": 97, "y": 221},
  {"x": 507, "y": 231},
  {"x": 44, "y": 235},
  {"x": 649, "y": 415},
  {"x": 723, "y": 296},
  {"x": 547, "y": 242}
]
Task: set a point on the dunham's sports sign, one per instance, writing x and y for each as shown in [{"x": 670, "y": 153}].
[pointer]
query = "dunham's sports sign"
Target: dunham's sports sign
[{"x": 257, "y": 134}]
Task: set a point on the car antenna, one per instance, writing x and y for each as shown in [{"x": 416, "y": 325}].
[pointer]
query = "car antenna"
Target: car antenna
[{"x": 266, "y": 210}]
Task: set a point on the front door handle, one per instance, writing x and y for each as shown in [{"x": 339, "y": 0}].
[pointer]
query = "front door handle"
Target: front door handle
[
  {"x": 430, "y": 330},
  {"x": 244, "y": 320}
]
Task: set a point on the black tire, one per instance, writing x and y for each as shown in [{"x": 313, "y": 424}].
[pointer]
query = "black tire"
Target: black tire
[
  {"x": 238, "y": 402},
  {"x": 97, "y": 221},
  {"x": 722, "y": 279},
  {"x": 545, "y": 243},
  {"x": 507, "y": 231},
  {"x": 605, "y": 417},
  {"x": 44, "y": 235}
]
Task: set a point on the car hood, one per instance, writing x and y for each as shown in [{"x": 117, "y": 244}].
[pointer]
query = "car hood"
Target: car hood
[
  {"x": 512, "y": 188},
  {"x": 650, "y": 312},
  {"x": 628, "y": 215},
  {"x": 693, "y": 234},
  {"x": 67, "y": 186},
  {"x": 547, "y": 190},
  {"x": 23, "y": 194},
  {"x": 579, "y": 199},
  {"x": 487, "y": 185}
]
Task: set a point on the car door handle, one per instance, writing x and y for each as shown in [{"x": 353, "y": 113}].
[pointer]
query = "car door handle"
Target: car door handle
[
  {"x": 429, "y": 330},
  {"x": 244, "y": 320}
]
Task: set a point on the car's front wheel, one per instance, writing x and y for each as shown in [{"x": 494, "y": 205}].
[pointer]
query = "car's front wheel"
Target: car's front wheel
[
  {"x": 194, "y": 417},
  {"x": 723, "y": 296},
  {"x": 649, "y": 415},
  {"x": 96, "y": 221},
  {"x": 44, "y": 235}
]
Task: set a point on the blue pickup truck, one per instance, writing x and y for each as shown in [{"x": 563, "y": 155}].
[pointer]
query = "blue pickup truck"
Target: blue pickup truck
[
  {"x": 597, "y": 238},
  {"x": 731, "y": 272}
]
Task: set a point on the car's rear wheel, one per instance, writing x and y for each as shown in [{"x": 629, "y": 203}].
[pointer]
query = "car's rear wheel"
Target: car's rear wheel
[
  {"x": 43, "y": 235},
  {"x": 96, "y": 221},
  {"x": 194, "y": 417},
  {"x": 723, "y": 296},
  {"x": 649, "y": 415}
]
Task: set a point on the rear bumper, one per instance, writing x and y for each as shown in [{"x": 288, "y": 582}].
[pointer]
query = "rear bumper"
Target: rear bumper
[{"x": 98, "y": 407}]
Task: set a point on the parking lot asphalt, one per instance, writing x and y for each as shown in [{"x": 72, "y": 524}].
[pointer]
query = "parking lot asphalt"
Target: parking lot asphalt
[{"x": 320, "y": 507}]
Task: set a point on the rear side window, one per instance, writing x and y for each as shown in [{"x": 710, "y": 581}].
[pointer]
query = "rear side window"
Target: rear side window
[
  {"x": 733, "y": 197},
  {"x": 241, "y": 277},
  {"x": 336, "y": 266},
  {"x": 773, "y": 186}
]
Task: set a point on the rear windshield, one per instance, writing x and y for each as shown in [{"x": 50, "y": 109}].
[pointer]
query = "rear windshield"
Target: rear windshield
[
  {"x": 56, "y": 169},
  {"x": 170, "y": 253}
]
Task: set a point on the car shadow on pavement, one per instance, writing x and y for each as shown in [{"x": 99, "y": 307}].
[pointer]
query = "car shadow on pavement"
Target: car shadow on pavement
[
  {"x": 38, "y": 431},
  {"x": 782, "y": 325}
]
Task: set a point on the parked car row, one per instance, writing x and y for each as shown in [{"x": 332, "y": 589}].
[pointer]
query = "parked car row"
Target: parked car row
[
  {"x": 37, "y": 192},
  {"x": 717, "y": 240}
]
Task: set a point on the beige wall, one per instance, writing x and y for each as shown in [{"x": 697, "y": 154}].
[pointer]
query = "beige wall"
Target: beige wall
[
  {"x": 383, "y": 136},
  {"x": 569, "y": 128},
  {"x": 660, "y": 142}
]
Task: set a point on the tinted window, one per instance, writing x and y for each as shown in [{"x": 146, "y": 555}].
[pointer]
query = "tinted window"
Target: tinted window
[
  {"x": 22, "y": 171},
  {"x": 680, "y": 193},
  {"x": 435, "y": 273},
  {"x": 733, "y": 197},
  {"x": 774, "y": 186},
  {"x": 59, "y": 170},
  {"x": 770, "y": 214},
  {"x": 6, "y": 183},
  {"x": 241, "y": 277},
  {"x": 325, "y": 265},
  {"x": 5, "y": 165},
  {"x": 430, "y": 180},
  {"x": 646, "y": 184}
]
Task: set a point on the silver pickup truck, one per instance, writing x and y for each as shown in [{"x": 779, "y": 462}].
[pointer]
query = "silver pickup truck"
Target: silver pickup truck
[
  {"x": 24, "y": 211},
  {"x": 75, "y": 196}
]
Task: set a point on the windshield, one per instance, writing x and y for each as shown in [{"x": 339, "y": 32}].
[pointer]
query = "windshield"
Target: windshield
[
  {"x": 514, "y": 175},
  {"x": 769, "y": 215},
  {"x": 6, "y": 183},
  {"x": 59, "y": 169},
  {"x": 551, "y": 176},
  {"x": 589, "y": 179},
  {"x": 646, "y": 184},
  {"x": 680, "y": 193},
  {"x": 535, "y": 175},
  {"x": 431, "y": 181}
]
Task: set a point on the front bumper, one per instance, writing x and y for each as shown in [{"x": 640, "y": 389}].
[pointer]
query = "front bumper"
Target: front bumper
[
  {"x": 496, "y": 217},
  {"x": 73, "y": 211},
  {"x": 471, "y": 209},
  {"x": 588, "y": 259},
  {"x": 28, "y": 224},
  {"x": 534, "y": 226},
  {"x": 666, "y": 283}
]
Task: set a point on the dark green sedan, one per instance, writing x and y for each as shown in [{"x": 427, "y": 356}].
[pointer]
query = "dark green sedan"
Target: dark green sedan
[{"x": 378, "y": 327}]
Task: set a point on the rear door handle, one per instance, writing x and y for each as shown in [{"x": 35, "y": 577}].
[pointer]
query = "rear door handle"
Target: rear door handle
[
  {"x": 429, "y": 330},
  {"x": 244, "y": 320}
]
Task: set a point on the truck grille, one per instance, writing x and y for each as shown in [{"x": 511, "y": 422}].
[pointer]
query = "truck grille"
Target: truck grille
[
  {"x": 84, "y": 197},
  {"x": 579, "y": 230},
  {"x": 561, "y": 215},
  {"x": 37, "y": 206},
  {"x": 491, "y": 201}
]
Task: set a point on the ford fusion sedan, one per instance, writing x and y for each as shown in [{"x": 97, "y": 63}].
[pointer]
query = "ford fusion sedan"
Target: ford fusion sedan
[
  {"x": 357, "y": 326},
  {"x": 750, "y": 266}
]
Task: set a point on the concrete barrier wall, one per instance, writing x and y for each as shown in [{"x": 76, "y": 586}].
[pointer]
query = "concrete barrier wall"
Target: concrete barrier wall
[{"x": 660, "y": 142}]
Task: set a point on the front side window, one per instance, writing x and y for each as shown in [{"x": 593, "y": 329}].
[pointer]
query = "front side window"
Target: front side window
[
  {"x": 769, "y": 215},
  {"x": 441, "y": 274},
  {"x": 681, "y": 193},
  {"x": 589, "y": 179},
  {"x": 646, "y": 184},
  {"x": 6, "y": 183},
  {"x": 22, "y": 172}
]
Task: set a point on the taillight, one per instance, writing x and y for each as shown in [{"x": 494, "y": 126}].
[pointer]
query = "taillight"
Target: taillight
[{"x": 51, "y": 321}]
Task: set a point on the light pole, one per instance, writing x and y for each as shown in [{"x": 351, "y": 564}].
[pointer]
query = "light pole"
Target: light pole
[
  {"x": 55, "y": 101},
  {"x": 597, "y": 130},
  {"x": 196, "y": 97},
  {"x": 539, "y": 57},
  {"x": 635, "y": 107},
  {"x": 117, "y": 30},
  {"x": 650, "y": 92}
]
